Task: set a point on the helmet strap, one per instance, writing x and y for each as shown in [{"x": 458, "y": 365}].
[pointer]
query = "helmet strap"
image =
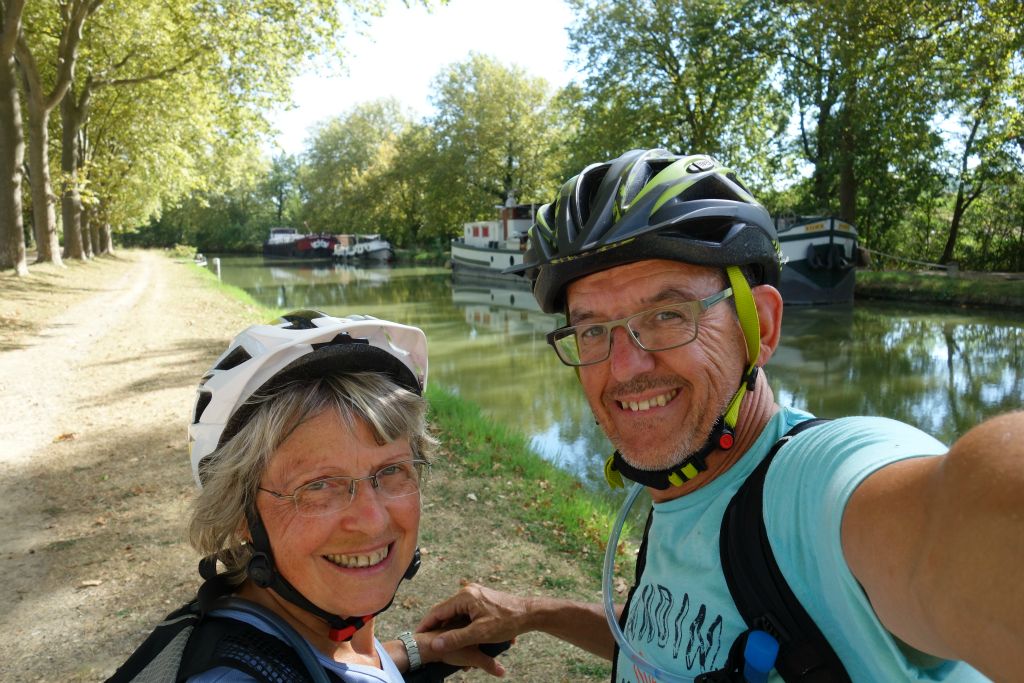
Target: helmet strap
[{"x": 722, "y": 434}]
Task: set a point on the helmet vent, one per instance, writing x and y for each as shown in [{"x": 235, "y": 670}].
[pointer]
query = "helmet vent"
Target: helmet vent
[
  {"x": 237, "y": 356},
  {"x": 204, "y": 400},
  {"x": 711, "y": 187},
  {"x": 341, "y": 338},
  {"x": 301, "y": 320},
  {"x": 710, "y": 230}
]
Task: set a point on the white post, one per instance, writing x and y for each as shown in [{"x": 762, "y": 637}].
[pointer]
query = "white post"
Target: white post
[{"x": 216, "y": 267}]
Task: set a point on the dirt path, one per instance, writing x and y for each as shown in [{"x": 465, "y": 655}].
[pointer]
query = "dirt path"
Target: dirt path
[
  {"x": 98, "y": 363},
  {"x": 95, "y": 393}
]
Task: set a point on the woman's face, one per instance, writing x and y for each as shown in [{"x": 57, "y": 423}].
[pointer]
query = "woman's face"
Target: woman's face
[{"x": 347, "y": 562}]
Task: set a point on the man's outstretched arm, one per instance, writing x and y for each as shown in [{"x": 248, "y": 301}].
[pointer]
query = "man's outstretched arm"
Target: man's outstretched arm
[
  {"x": 938, "y": 545},
  {"x": 495, "y": 617}
]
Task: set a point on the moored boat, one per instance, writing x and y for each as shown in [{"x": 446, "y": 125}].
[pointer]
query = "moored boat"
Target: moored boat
[
  {"x": 820, "y": 256},
  {"x": 487, "y": 248},
  {"x": 290, "y": 243},
  {"x": 364, "y": 248}
]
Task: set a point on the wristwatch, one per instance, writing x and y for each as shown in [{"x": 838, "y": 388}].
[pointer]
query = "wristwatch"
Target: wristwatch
[{"x": 412, "y": 650}]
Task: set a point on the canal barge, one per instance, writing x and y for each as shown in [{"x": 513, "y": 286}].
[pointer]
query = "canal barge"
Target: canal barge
[
  {"x": 368, "y": 248},
  {"x": 487, "y": 248},
  {"x": 820, "y": 255},
  {"x": 290, "y": 243}
]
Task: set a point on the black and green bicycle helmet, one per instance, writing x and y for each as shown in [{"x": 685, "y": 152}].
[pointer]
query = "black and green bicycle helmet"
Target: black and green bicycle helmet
[{"x": 648, "y": 204}]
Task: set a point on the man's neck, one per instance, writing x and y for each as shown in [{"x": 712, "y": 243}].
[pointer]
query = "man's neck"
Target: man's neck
[{"x": 756, "y": 410}]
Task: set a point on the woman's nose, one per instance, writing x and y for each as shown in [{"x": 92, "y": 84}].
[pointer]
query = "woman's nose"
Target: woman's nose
[{"x": 367, "y": 512}]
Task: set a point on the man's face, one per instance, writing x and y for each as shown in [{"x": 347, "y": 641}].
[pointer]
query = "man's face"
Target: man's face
[{"x": 658, "y": 407}]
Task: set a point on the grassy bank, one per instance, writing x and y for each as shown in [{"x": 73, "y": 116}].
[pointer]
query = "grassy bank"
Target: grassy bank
[
  {"x": 987, "y": 290},
  {"x": 551, "y": 504}
]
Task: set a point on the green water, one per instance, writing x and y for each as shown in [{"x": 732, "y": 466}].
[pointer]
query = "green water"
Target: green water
[{"x": 941, "y": 369}]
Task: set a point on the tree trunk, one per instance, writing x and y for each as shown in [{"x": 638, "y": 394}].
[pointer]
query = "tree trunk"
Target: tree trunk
[
  {"x": 847, "y": 156},
  {"x": 107, "y": 239},
  {"x": 12, "y": 156},
  {"x": 88, "y": 244},
  {"x": 43, "y": 217},
  {"x": 94, "y": 234},
  {"x": 71, "y": 200}
]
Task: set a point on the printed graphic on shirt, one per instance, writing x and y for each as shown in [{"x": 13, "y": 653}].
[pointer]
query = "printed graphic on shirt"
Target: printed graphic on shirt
[{"x": 686, "y": 634}]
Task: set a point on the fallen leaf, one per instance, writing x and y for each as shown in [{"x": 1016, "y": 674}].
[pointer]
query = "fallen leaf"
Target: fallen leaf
[
  {"x": 66, "y": 436},
  {"x": 471, "y": 496}
]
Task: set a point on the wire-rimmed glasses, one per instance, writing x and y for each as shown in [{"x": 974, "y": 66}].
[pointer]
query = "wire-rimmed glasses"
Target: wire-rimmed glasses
[
  {"x": 656, "y": 329},
  {"x": 328, "y": 495}
]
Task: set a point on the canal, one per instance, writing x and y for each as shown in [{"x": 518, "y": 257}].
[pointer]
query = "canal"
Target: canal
[{"x": 942, "y": 369}]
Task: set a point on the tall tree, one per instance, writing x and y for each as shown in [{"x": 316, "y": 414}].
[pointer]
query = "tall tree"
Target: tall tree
[
  {"x": 862, "y": 74},
  {"x": 346, "y": 153},
  {"x": 497, "y": 135},
  {"x": 40, "y": 101},
  {"x": 12, "y": 142},
  {"x": 987, "y": 66},
  {"x": 688, "y": 75},
  {"x": 280, "y": 186}
]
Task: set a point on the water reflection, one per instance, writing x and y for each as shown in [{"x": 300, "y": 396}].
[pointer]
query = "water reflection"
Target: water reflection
[
  {"x": 938, "y": 369},
  {"x": 943, "y": 371}
]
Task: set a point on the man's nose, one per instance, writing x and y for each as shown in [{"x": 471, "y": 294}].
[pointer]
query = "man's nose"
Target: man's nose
[{"x": 626, "y": 357}]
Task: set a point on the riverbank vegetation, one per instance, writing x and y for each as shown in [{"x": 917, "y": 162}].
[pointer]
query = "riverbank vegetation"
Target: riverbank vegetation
[
  {"x": 987, "y": 290},
  {"x": 905, "y": 122}
]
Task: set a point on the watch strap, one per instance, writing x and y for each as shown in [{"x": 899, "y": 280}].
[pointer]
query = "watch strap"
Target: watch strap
[{"x": 412, "y": 650}]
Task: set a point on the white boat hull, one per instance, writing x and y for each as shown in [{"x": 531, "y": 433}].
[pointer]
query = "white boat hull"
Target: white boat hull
[{"x": 488, "y": 262}]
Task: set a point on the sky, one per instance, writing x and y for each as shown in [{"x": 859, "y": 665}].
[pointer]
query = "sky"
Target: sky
[{"x": 405, "y": 49}]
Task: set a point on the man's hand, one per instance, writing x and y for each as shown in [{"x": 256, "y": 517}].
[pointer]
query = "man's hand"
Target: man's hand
[
  {"x": 473, "y": 616},
  {"x": 465, "y": 657}
]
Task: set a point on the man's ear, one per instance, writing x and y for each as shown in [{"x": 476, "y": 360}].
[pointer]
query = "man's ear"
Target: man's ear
[{"x": 769, "y": 316}]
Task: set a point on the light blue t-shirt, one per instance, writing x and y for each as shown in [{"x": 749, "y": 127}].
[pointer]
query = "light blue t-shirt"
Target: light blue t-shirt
[
  {"x": 682, "y": 617},
  {"x": 350, "y": 673}
]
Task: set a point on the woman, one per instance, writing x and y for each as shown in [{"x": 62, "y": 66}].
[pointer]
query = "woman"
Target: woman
[{"x": 309, "y": 443}]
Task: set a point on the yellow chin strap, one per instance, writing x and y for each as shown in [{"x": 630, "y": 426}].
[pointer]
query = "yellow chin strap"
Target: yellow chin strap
[
  {"x": 750, "y": 325},
  {"x": 746, "y": 310}
]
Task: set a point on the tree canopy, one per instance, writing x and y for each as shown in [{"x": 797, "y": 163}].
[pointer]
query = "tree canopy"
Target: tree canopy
[{"x": 904, "y": 119}]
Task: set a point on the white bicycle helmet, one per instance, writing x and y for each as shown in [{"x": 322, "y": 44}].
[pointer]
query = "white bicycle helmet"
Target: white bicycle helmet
[{"x": 299, "y": 345}]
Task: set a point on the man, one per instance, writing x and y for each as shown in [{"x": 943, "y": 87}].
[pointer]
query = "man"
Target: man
[{"x": 907, "y": 557}]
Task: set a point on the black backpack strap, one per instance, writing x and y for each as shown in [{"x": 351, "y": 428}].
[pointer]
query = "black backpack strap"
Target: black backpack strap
[
  {"x": 760, "y": 591},
  {"x": 227, "y": 642},
  {"x": 158, "y": 656}
]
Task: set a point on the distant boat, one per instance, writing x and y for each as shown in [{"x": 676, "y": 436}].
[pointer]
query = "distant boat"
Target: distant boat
[
  {"x": 371, "y": 248},
  {"x": 486, "y": 248},
  {"x": 821, "y": 254},
  {"x": 290, "y": 243}
]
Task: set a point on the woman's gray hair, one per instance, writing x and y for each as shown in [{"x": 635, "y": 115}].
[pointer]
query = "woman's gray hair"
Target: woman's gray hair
[{"x": 232, "y": 473}]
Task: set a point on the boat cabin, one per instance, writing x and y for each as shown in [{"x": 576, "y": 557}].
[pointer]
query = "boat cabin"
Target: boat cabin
[
  {"x": 283, "y": 236},
  {"x": 509, "y": 231}
]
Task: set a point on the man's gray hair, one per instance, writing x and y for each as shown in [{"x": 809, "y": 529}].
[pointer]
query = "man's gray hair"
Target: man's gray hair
[{"x": 232, "y": 473}]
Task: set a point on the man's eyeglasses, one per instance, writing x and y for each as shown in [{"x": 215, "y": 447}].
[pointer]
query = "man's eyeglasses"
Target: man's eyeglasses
[
  {"x": 333, "y": 494},
  {"x": 656, "y": 329}
]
